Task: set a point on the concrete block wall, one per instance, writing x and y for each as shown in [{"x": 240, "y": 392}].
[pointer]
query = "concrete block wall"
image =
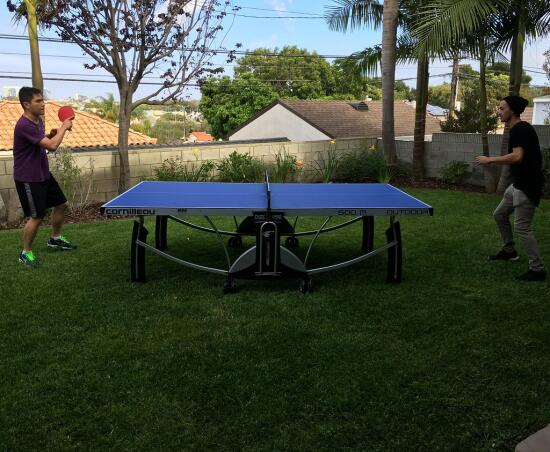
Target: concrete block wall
[
  {"x": 106, "y": 163},
  {"x": 443, "y": 148}
]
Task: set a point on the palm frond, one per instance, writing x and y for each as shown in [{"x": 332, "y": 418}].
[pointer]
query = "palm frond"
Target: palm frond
[
  {"x": 441, "y": 22},
  {"x": 347, "y": 15}
]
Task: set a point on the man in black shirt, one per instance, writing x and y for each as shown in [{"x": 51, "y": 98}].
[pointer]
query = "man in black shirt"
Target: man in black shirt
[{"x": 523, "y": 196}]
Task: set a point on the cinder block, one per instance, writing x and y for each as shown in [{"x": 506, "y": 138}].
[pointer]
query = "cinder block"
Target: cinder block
[
  {"x": 171, "y": 154},
  {"x": 107, "y": 185},
  {"x": 133, "y": 158},
  {"x": 208, "y": 153},
  {"x": 8, "y": 166},
  {"x": 304, "y": 147},
  {"x": 99, "y": 161},
  {"x": 6, "y": 181},
  {"x": 150, "y": 157},
  {"x": 226, "y": 151},
  {"x": 141, "y": 171}
]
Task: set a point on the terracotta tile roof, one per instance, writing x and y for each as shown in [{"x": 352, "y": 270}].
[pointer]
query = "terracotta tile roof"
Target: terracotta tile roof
[
  {"x": 339, "y": 118},
  {"x": 89, "y": 130},
  {"x": 202, "y": 136}
]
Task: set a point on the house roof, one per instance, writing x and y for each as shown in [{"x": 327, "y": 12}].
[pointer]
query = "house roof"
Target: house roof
[
  {"x": 340, "y": 119},
  {"x": 202, "y": 136},
  {"x": 89, "y": 130}
]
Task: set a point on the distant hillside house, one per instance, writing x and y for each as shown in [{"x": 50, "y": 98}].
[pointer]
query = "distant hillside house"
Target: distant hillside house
[
  {"x": 316, "y": 120},
  {"x": 200, "y": 137},
  {"x": 89, "y": 130}
]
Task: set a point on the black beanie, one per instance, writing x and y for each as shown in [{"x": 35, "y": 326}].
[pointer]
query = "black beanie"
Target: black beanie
[{"x": 517, "y": 103}]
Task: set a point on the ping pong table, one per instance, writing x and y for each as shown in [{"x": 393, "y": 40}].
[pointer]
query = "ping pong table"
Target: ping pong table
[{"x": 266, "y": 209}]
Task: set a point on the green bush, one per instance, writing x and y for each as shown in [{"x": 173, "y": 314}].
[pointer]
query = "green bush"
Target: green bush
[
  {"x": 77, "y": 185},
  {"x": 177, "y": 170},
  {"x": 286, "y": 167},
  {"x": 240, "y": 168},
  {"x": 365, "y": 165},
  {"x": 454, "y": 172},
  {"x": 327, "y": 166}
]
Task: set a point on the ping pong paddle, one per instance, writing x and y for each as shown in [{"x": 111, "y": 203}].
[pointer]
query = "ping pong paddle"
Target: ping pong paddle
[{"x": 66, "y": 112}]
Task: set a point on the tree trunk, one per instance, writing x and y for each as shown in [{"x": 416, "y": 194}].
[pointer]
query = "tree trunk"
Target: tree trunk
[
  {"x": 32, "y": 29},
  {"x": 454, "y": 85},
  {"x": 389, "y": 38},
  {"x": 516, "y": 68},
  {"x": 489, "y": 173},
  {"x": 124, "y": 117},
  {"x": 422, "y": 80}
]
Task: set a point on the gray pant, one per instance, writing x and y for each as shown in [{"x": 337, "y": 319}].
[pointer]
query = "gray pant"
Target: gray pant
[{"x": 516, "y": 201}]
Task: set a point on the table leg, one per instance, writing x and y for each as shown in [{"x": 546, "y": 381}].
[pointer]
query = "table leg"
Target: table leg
[
  {"x": 367, "y": 243},
  {"x": 395, "y": 253},
  {"x": 161, "y": 228},
  {"x": 137, "y": 259}
]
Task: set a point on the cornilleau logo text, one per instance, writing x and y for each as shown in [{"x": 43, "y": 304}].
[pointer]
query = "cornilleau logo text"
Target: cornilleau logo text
[{"x": 126, "y": 211}]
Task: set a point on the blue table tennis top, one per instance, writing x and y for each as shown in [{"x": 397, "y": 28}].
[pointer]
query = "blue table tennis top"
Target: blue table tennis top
[{"x": 215, "y": 198}]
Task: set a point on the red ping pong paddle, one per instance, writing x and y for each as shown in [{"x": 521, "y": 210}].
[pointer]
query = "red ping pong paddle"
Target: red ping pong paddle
[{"x": 66, "y": 112}]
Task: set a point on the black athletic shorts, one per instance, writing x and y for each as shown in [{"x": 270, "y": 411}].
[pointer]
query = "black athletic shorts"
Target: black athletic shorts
[{"x": 37, "y": 197}]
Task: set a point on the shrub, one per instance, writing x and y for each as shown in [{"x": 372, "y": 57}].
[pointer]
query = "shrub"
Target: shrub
[
  {"x": 326, "y": 166},
  {"x": 240, "y": 168},
  {"x": 76, "y": 185},
  {"x": 286, "y": 167},
  {"x": 177, "y": 170},
  {"x": 365, "y": 165},
  {"x": 454, "y": 172}
]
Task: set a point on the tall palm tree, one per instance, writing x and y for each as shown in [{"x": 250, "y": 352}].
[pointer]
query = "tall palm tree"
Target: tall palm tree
[
  {"x": 31, "y": 10},
  {"x": 407, "y": 50},
  {"x": 441, "y": 22},
  {"x": 352, "y": 14}
]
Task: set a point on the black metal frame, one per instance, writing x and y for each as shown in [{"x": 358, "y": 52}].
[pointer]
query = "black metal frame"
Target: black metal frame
[{"x": 268, "y": 259}]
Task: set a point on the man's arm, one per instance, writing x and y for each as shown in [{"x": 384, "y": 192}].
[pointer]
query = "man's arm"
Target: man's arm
[
  {"x": 51, "y": 144},
  {"x": 515, "y": 156}
]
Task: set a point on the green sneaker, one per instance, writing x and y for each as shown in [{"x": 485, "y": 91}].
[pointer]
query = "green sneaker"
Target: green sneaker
[
  {"x": 28, "y": 258},
  {"x": 61, "y": 243}
]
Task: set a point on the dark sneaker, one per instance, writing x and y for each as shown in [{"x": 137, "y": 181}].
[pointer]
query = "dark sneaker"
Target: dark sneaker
[
  {"x": 61, "y": 243},
  {"x": 504, "y": 255},
  {"x": 28, "y": 258},
  {"x": 532, "y": 275}
]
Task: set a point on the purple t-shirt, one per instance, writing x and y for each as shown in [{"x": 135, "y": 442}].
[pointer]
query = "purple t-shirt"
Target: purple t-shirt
[{"x": 30, "y": 160}]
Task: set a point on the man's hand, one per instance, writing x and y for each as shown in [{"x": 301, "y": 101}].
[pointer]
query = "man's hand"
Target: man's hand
[
  {"x": 52, "y": 133},
  {"x": 67, "y": 124},
  {"x": 483, "y": 160}
]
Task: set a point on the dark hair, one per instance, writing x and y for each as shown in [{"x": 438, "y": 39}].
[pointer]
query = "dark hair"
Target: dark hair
[
  {"x": 27, "y": 93},
  {"x": 517, "y": 104}
]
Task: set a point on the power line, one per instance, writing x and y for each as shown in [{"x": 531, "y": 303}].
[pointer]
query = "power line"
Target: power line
[
  {"x": 276, "y": 17},
  {"x": 26, "y": 77},
  {"x": 281, "y": 11},
  {"x": 220, "y": 50}
]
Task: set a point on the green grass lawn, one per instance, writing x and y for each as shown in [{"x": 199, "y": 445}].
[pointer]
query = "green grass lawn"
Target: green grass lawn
[{"x": 454, "y": 358}]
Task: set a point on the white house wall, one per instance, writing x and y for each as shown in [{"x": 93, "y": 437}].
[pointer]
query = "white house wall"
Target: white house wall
[
  {"x": 278, "y": 122},
  {"x": 541, "y": 110}
]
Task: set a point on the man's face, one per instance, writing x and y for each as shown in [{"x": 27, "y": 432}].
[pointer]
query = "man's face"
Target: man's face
[
  {"x": 36, "y": 105},
  {"x": 504, "y": 111}
]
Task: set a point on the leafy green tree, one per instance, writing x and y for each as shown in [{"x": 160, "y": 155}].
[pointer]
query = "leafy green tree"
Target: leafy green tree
[
  {"x": 440, "y": 95},
  {"x": 291, "y": 72},
  {"x": 467, "y": 120},
  {"x": 227, "y": 103},
  {"x": 105, "y": 106}
]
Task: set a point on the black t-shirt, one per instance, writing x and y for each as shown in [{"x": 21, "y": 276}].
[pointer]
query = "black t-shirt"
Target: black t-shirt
[{"x": 527, "y": 175}]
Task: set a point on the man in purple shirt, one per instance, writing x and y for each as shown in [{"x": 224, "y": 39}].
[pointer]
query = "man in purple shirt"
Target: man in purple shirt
[{"x": 37, "y": 188}]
